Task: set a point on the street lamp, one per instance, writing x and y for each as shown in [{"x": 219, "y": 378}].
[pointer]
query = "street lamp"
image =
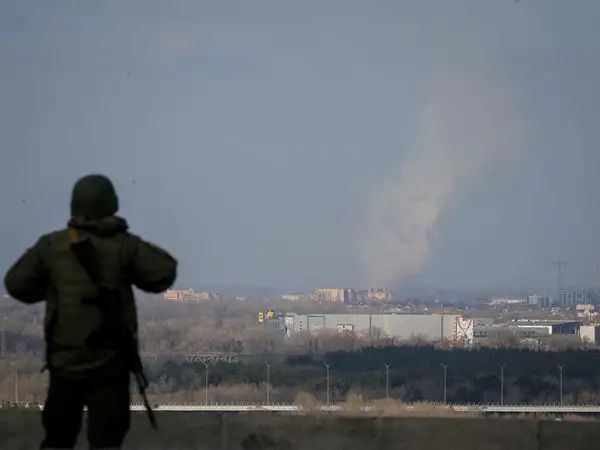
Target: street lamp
[
  {"x": 15, "y": 370},
  {"x": 387, "y": 380},
  {"x": 268, "y": 382},
  {"x": 560, "y": 369},
  {"x": 206, "y": 383},
  {"x": 502, "y": 384},
  {"x": 445, "y": 367},
  {"x": 327, "y": 369}
]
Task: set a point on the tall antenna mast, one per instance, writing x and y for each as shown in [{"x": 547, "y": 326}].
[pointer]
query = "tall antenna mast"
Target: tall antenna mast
[{"x": 559, "y": 266}]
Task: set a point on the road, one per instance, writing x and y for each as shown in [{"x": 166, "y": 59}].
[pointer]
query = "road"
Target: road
[{"x": 484, "y": 409}]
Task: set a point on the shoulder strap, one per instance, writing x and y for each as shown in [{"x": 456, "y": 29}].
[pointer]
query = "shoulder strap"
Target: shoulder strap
[{"x": 86, "y": 255}]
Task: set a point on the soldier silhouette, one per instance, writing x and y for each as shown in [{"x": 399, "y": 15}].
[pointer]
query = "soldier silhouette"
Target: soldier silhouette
[{"x": 85, "y": 273}]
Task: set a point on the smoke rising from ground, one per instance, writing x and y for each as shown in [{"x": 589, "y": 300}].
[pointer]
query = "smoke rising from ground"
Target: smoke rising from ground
[{"x": 465, "y": 124}]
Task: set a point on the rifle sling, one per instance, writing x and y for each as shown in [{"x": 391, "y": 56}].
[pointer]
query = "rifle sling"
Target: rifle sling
[{"x": 86, "y": 256}]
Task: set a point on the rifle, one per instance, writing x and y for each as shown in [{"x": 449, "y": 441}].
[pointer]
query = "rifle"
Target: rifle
[{"x": 108, "y": 301}]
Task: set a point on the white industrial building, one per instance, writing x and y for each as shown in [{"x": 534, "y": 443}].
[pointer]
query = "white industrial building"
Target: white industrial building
[{"x": 431, "y": 327}]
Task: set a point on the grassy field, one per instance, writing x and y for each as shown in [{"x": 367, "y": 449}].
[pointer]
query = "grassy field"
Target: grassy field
[{"x": 253, "y": 431}]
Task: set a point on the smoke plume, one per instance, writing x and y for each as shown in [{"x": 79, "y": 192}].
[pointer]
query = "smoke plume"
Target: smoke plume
[{"x": 465, "y": 124}]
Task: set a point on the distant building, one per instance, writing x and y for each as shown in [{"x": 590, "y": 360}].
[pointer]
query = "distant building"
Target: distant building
[
  {"x": 542, "y": 301},
  {"x": 294, "y": 297},
  {"x": 482, "y": 322},
  {"x": 264, "y": 316},
  {"x": 375, "y": 295},
  {"x": 586, "y": 312},
  {"x": 570, "y": 298},
  {"x": 507, "y": 301},
  {"x": 275, "y": 326},
  {"x": 521, "y": 332},
  {"x": 346, "y": 295},
  {"x": 189, "y": 295},
  {"x": 526, "y": 329},
  {"x": 431, "y": 327},
  {"x": 352, "y": 296},
  {"x": 340, "y": 295},
  {"x": 553, "y": 326},
  {"x": 590, "y": 333}
]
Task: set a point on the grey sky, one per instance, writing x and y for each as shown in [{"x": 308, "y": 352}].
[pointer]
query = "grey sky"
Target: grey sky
[{"x": 249, "y": 137}]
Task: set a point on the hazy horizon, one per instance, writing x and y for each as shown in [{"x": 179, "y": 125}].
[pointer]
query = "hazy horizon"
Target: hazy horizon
[{"x": 413, "y": 145}]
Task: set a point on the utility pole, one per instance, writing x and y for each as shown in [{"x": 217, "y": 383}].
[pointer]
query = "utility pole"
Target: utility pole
[
  {"x": 2, "y": 340},
  {"x": 268, "y": 382},
  {"x": 502, "y": 384},
  {"x": 445, "y": 367},
  {"x": 16, "y": 384},
  {"x": 327, "y": 369},
  {"x": 559, "y": 266},
  {"x": 206, "y": 383},
  {"x": 560, "y": 368},
  {"x": 387, "y": 380}
]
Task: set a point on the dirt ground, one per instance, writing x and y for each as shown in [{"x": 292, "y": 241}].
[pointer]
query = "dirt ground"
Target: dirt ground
[{"x": 253, "y": 431}]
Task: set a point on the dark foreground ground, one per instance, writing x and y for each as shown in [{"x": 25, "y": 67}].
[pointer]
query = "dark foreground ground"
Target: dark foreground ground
[{"x": 253, "y": 431}]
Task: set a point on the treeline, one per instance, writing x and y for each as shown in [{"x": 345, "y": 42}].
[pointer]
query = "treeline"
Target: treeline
[{"x": 415, "y": 374}]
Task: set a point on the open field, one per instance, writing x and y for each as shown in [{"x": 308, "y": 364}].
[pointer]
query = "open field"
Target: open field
[{"x": 253, "y": 431}]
